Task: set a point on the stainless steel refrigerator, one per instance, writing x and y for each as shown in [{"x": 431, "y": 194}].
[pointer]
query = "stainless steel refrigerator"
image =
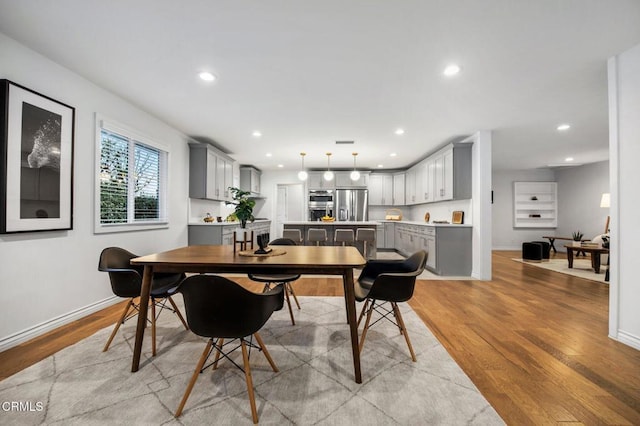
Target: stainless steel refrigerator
[{"x": 351, "y": 205}]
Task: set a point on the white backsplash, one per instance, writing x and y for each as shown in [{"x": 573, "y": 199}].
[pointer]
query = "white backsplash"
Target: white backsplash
[
  {"x": 198, "y": 209},
  {"x": 438, "y": 211}
]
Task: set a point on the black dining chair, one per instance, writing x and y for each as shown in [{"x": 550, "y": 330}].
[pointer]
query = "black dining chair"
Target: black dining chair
[
  {"x": 126, "y": 281},
  {"x": 388, "y": 281},
  {"x": 284, "y": 279},
  {"x": 220, "y": 309}
]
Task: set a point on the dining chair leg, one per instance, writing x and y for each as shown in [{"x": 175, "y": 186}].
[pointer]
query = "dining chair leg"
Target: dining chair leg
[
  {"x": 366, "y": 325},
  {"x": 177, "y": 311},
  {"x": 286, "y": 293},
  {"x": 266, "y": 353},
  {"x": 363, "y": 311},
  {"x": 153, "y": 327},
  {"x": 194, "y": 377},
  {"x": 247, "y": 376},
  {"x": 218, "y": 352},
  {"x": 125, "y": 312},
  {"x": 293, "y": 293},
  {"x": 398, "y": 316}
]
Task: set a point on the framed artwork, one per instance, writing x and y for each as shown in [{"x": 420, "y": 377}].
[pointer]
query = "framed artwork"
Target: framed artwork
[{"x": 36, "y": 153}]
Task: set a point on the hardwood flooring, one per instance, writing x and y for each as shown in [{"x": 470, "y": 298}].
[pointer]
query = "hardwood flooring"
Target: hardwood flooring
[{"x": 533, "y": 341}]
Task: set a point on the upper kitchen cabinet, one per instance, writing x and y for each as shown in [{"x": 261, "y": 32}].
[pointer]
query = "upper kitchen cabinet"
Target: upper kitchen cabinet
[
  {"x": 343, "y": 180},
  {"x": 398, "y": 189},
  {"x": 381, "y": 189},
  {"x": 250, "y": 179},
  {"x": 316, "y": 181},
  {"x": 210, "y": 173},
  {"x": 445, "y": 175}
]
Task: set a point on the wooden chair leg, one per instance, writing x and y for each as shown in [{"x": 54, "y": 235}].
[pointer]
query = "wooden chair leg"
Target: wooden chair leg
[
  {"x": 247, "y": 376},
  {"x": 153, "y": 326},
  {"x": 366, "y": 325},
  {"x": 286, "y": 294},
  {"x": 362, "y": 312},
  {"x": 218, "y": 352},
  {"x": 396, "y": 312},
  {"x": 177, "y": 311},
  {"x": 125, "y": 312},
  {"x": 293, "y": 293},
  {"x": 194, "y": 377},
  {"x": 267, "y": 355}
]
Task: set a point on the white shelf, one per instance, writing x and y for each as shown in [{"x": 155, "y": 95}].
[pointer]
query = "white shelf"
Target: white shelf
[{"x": 535, "y": 204}]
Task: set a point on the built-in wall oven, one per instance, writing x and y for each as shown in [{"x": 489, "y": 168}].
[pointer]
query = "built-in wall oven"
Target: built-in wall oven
[{"x": 320, "y": 204}]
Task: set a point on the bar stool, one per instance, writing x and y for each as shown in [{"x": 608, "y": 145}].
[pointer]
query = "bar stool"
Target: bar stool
[
  {"x": 343, "y": 236},
  {"x": 317, "y": 235},
  {"x": 293, "y": 234},
  {"x": 367, "y": 236}
]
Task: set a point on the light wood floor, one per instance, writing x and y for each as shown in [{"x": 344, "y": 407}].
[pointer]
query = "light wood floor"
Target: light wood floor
[{"x": 533, "y": 341}]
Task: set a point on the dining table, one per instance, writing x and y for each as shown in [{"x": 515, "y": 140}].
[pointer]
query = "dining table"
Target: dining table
[{"x": 303, "y": 260}]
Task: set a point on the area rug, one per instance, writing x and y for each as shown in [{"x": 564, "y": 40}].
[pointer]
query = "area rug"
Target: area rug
[
  {"x": 581, "y": 268},
  {"x": 81, "y": 385}
]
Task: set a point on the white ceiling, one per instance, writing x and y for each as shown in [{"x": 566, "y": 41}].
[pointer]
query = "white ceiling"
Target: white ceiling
[{"x": 308, "y": 73}]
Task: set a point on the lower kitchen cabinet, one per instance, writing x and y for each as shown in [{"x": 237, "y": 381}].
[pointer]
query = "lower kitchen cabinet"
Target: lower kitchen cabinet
[
  {"x": 449, "y": 247},
  {"x": 222, "y": 234}
]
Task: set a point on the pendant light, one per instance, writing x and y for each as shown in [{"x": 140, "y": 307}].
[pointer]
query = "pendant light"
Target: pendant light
[
  {"x": 328, "y": 175},
  {"x": 355, "y": 174},
  {"x": 302, "y": 174}
]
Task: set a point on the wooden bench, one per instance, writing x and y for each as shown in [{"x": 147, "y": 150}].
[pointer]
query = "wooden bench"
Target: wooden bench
[{"x": 552, "y": 238}]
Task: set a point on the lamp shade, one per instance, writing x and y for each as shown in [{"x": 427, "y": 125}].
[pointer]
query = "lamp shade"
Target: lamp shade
[{"x": 605, "y": 201}]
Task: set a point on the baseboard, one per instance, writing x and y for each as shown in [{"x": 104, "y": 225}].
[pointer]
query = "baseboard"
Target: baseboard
[
  {"x": 628, "y": 339},
  {"x": 39, "y": 329}
]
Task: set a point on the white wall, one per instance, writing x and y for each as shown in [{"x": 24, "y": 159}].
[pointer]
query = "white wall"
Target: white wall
[
  {"x": 505, "y": 236},
  {"x": 579, "y": 192},
  {"x": 624, "y": 149},
  {"x": 48, "y": 278}
]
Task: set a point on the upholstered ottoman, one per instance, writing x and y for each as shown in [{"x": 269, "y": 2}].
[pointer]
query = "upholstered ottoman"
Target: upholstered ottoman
[
  {"x": 532, "y": 251},
  {"x": 546, "y": 248}
]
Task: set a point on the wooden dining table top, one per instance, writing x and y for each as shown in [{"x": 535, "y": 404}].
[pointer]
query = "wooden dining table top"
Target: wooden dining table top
[{"x": 302, "y": 258}]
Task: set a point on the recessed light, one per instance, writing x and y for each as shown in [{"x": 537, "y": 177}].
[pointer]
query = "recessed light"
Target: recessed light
[
  {"x": 399, "y": 132},
  {"x": 393, "y": 154},
  {"x": 206, "y": 76},
  {"x": 280, "y": 166},
  {"x": 451, "y": 70},
  {"x": 568, "y": 159},
  {"x": 380, "y": 166},
  {"x": 563, "y": 127},
  {"x": 256, "y": 134},
  {"x": 269, "y": 154}
]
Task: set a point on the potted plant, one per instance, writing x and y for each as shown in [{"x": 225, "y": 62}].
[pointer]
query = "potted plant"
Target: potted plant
[
  {"x": 244, "y": 205},
  {"x": 577, "y": 236}
]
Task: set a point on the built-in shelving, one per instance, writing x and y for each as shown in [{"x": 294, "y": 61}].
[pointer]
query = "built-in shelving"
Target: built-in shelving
[{"x": 535, "y": 204}]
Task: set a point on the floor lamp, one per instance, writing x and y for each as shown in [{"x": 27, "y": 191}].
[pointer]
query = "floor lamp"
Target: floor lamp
[{"x": 605, "y": 203}]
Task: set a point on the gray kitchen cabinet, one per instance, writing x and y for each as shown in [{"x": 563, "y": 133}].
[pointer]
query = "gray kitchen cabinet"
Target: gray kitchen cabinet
[
  {"x": 398, "y": 189},
  {"x": 343, "y": 180},
  {"x": 389, "y": 235},
  {"x": 210, "y": 173},
  {"x": 223, "y": 234},
  {"x": 316, "y": 181},
  {"x": 380, "y": 189},
  {"x": 250, "y": 179},
  {"x": 449, "y": 247}
]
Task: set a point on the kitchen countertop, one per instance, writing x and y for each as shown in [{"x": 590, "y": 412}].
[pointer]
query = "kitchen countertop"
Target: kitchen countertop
[
  {"x": 320, "y": 223},
  {"x": 409, "y": 222},
  {"x": 201, "y": 222}
]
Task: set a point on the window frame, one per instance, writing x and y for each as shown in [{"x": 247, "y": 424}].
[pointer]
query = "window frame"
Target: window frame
[{"x": 103, "y": 123}]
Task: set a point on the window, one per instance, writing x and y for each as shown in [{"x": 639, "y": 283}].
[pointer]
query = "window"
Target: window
[{"x": 131, "y": 188}]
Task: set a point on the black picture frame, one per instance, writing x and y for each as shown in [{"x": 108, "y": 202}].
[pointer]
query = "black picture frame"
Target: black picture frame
[{"x": 36, "y": 154}]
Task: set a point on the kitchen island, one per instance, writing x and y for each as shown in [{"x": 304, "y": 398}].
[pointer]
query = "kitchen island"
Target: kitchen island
[{"x": 330, "y": 227}]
